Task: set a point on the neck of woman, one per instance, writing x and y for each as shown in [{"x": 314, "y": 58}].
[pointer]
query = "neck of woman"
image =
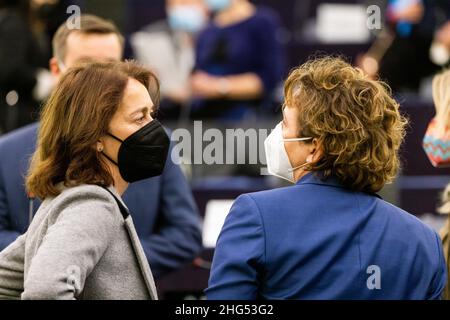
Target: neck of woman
[
  {"x": 300, "y": 173},
  {"x": 119, "y": 183}
]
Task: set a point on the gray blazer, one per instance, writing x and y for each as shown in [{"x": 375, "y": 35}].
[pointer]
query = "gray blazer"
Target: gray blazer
[{"x": 78, "y": 247}]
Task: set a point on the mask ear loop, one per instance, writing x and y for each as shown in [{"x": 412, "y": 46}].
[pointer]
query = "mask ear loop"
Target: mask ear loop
[
  {"x": 105, "y": 155},
  {"x": 109, "y": 158},
  {"x": 298, "y": 167},
  {"x": 298, "y": 139},
  {"x": 114, "y": 137}
]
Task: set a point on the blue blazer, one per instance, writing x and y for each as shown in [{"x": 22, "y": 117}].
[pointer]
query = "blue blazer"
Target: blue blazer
[
  {"x": 318, "y": 240},
  {"x": 163, "y": 208}
]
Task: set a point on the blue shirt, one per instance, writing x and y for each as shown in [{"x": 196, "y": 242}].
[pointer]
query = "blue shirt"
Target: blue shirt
[
  {"x": 250, "y": 46},
  {"x": 319, "y": 240}
]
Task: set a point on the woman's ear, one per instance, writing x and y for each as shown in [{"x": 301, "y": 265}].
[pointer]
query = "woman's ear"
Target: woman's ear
[
  {"x": 55, "y": 68},
  {"x": 316, "y": 151}
]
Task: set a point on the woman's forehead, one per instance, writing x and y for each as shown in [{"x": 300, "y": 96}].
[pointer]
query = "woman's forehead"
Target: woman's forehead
[{"x": 135, "y": 97}]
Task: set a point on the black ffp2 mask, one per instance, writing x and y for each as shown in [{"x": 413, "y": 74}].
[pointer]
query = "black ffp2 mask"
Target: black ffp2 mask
[{"x": 143, "y": 154}]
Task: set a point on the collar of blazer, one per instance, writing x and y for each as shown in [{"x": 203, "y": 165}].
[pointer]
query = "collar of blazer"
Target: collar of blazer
[{"x": 315, "y": 178}]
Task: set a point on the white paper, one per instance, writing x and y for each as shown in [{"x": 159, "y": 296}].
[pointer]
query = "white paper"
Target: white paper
[
  {"x": 215, "y": 214},
  {"x": 342, "y": 23}
]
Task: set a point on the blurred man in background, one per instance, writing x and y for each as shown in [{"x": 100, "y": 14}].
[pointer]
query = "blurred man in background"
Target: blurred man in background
[
  {"x": 167, "y": 46},
  {"x": 163, "y": 208}
]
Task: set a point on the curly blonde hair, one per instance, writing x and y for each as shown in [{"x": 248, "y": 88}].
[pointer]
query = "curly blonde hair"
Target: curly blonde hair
[{"x": 354, "y": 118}]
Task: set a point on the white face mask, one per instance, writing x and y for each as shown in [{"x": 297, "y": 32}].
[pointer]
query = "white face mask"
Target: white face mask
[{"x": 278, "y": 163}]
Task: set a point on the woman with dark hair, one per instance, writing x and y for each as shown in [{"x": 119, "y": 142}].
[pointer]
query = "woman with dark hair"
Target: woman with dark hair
[
  {"x": 97, "y": 135},
  {"x": 329, "y": 236}
]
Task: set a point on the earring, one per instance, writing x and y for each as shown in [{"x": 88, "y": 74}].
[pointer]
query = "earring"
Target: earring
[{"x": 100, "y": 149}]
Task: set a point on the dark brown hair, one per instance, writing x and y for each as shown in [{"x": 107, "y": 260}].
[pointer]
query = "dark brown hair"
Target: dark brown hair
[{"x": 76, "y": 115}]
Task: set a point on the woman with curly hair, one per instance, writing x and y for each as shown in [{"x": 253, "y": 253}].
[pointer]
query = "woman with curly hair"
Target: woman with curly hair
[{"x": 329, "y": 236}]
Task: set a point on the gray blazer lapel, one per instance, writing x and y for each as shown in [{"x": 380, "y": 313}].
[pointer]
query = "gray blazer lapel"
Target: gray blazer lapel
[
  {"x": 142, "y": 259},
  {"x": 140, "y": 255}
]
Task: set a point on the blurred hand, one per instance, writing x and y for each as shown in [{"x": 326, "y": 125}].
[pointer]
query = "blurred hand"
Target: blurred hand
[
  {"x": 443, "y": 35},
  {"x": 205, "y": 85},
  {"x": 180, "y": 96},
  {"x": 38, "y": 3},
  {"x": 413, "y": 13},
  {"x": 368, "y": 64}
]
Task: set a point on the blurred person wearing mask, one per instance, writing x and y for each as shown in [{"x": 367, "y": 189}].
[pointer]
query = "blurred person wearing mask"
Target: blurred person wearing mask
[
  {"x": 329, "y": 235},
  {"x": 21, "y": 60},
  {"x": 440, "y": 49},
  {"x": 436, "y": 141},
  {"x": 404, "y": 54},
  {"x": 239, "y": 62},
  {"x": 163, "y": 208},
  {"x": 168, "y": 48},
  {"x": 436, "y": 144},
  {"x": 97, "y": 136}
]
